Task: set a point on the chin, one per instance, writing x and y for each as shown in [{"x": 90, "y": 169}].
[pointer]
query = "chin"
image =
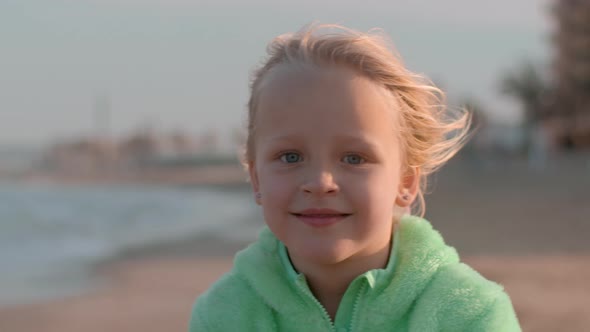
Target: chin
[{"x": 324, "y": 253}]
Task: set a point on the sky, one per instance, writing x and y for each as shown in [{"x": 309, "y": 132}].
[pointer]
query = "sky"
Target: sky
[{"x": 185, "y": 65}]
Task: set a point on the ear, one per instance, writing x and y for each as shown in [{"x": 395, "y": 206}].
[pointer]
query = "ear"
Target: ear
[
  {"x": 408, "y": 187},
  {"x": 254, "y": 181}
]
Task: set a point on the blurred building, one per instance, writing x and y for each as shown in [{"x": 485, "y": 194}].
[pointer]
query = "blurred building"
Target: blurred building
[
  {"x": 142, "y": 148},
  {"x": 81, "y": 156},
  {"x": 568, "y": 116}
]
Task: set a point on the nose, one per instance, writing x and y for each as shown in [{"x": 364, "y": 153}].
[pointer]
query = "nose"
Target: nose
[{"x": 320, "y": 183}]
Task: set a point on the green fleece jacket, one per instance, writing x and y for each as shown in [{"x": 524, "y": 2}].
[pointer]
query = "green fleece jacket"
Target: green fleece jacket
[{"x": 423, "y": 288}]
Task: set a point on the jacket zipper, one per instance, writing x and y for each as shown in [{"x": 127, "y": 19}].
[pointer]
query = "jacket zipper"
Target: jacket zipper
[
  {"x": 324, "y": 311},
  {"x": 355, "y": 305}
]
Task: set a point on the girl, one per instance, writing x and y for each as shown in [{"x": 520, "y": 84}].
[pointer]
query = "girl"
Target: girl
[{"x": 341, "y": 138}]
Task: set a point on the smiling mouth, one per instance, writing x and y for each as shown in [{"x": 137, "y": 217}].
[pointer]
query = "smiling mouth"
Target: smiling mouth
[
  {"x": 321, "y": 220},
  {"x": 309, "y": 215}
]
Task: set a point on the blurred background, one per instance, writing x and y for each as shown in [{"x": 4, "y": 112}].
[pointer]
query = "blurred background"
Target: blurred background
[{"x": 121, "y": 194}]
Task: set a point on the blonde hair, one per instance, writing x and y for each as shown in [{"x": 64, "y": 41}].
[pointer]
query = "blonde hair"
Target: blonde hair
[{"x": 430, "y": 133}]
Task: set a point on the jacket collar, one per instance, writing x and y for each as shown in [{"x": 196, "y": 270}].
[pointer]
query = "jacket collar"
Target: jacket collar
[
  {"x": 373, "y": 277},
  {"x": 417, "y": 253}
]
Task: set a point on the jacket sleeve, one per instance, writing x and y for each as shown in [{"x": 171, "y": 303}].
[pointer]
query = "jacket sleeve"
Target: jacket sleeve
[
  {"x": 498, "y": 317},
  {"x": 460, "y": 299},
  {"x": 230, "y": 305},
  {"x": 197, "y": 322}
]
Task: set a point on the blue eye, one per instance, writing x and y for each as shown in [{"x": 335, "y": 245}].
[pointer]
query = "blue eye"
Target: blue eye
[
  {"x": 290, "y": 157},
  {"x": 354, "y": 159}
]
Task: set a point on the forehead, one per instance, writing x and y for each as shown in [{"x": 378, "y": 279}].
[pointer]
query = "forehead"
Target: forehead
[{"x": 324, "y": 102}]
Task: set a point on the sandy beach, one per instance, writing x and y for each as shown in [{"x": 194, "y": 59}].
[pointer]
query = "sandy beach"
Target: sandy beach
[{"x": 526, "y": 231}]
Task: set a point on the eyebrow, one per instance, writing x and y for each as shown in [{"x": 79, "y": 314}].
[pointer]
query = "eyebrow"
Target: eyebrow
[
  {"x": 283, "y": 138},
  {"x": 348, "y": 139},
  {"x": 371, "y": 144}
]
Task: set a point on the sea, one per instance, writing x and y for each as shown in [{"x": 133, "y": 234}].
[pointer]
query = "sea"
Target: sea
[{"x": 51, "y": 236}]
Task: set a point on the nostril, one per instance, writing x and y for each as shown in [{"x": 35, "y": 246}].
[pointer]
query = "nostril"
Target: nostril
[{"x": 324, "y": 188}]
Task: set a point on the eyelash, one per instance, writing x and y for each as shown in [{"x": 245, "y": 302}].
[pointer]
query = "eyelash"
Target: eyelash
[{"x": 362, "y": 159}]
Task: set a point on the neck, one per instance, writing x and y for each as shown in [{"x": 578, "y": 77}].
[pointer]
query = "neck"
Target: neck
[{"x": 329, "y": 282}]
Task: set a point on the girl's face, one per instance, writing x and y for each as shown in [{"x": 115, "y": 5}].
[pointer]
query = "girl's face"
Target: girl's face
[{"x": 326, "y": 139}]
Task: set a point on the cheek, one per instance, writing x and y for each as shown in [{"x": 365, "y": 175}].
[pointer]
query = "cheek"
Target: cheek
[
  {"x": 375, "y": 194},
  {"x": 275, "y": 189}
]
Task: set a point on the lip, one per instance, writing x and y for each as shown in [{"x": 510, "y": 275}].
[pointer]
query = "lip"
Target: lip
[{"x": 320, "y": 218}]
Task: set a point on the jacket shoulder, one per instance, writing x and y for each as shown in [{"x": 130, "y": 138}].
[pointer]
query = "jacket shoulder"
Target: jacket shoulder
[
  {"x": 231, "y": 304},
  {"x": 460, "y": 299}
]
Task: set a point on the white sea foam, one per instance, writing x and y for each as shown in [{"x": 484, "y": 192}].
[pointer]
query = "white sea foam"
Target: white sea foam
[{"x": 51, "y": 235}]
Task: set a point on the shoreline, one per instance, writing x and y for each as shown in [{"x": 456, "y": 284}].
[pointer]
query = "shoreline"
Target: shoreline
[
  {"x": 147, "y": 288},
  {"x": 96, "y": 275}
]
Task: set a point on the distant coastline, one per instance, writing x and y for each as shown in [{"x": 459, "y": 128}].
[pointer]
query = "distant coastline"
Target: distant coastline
[{"x": 218, "y": 175}]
